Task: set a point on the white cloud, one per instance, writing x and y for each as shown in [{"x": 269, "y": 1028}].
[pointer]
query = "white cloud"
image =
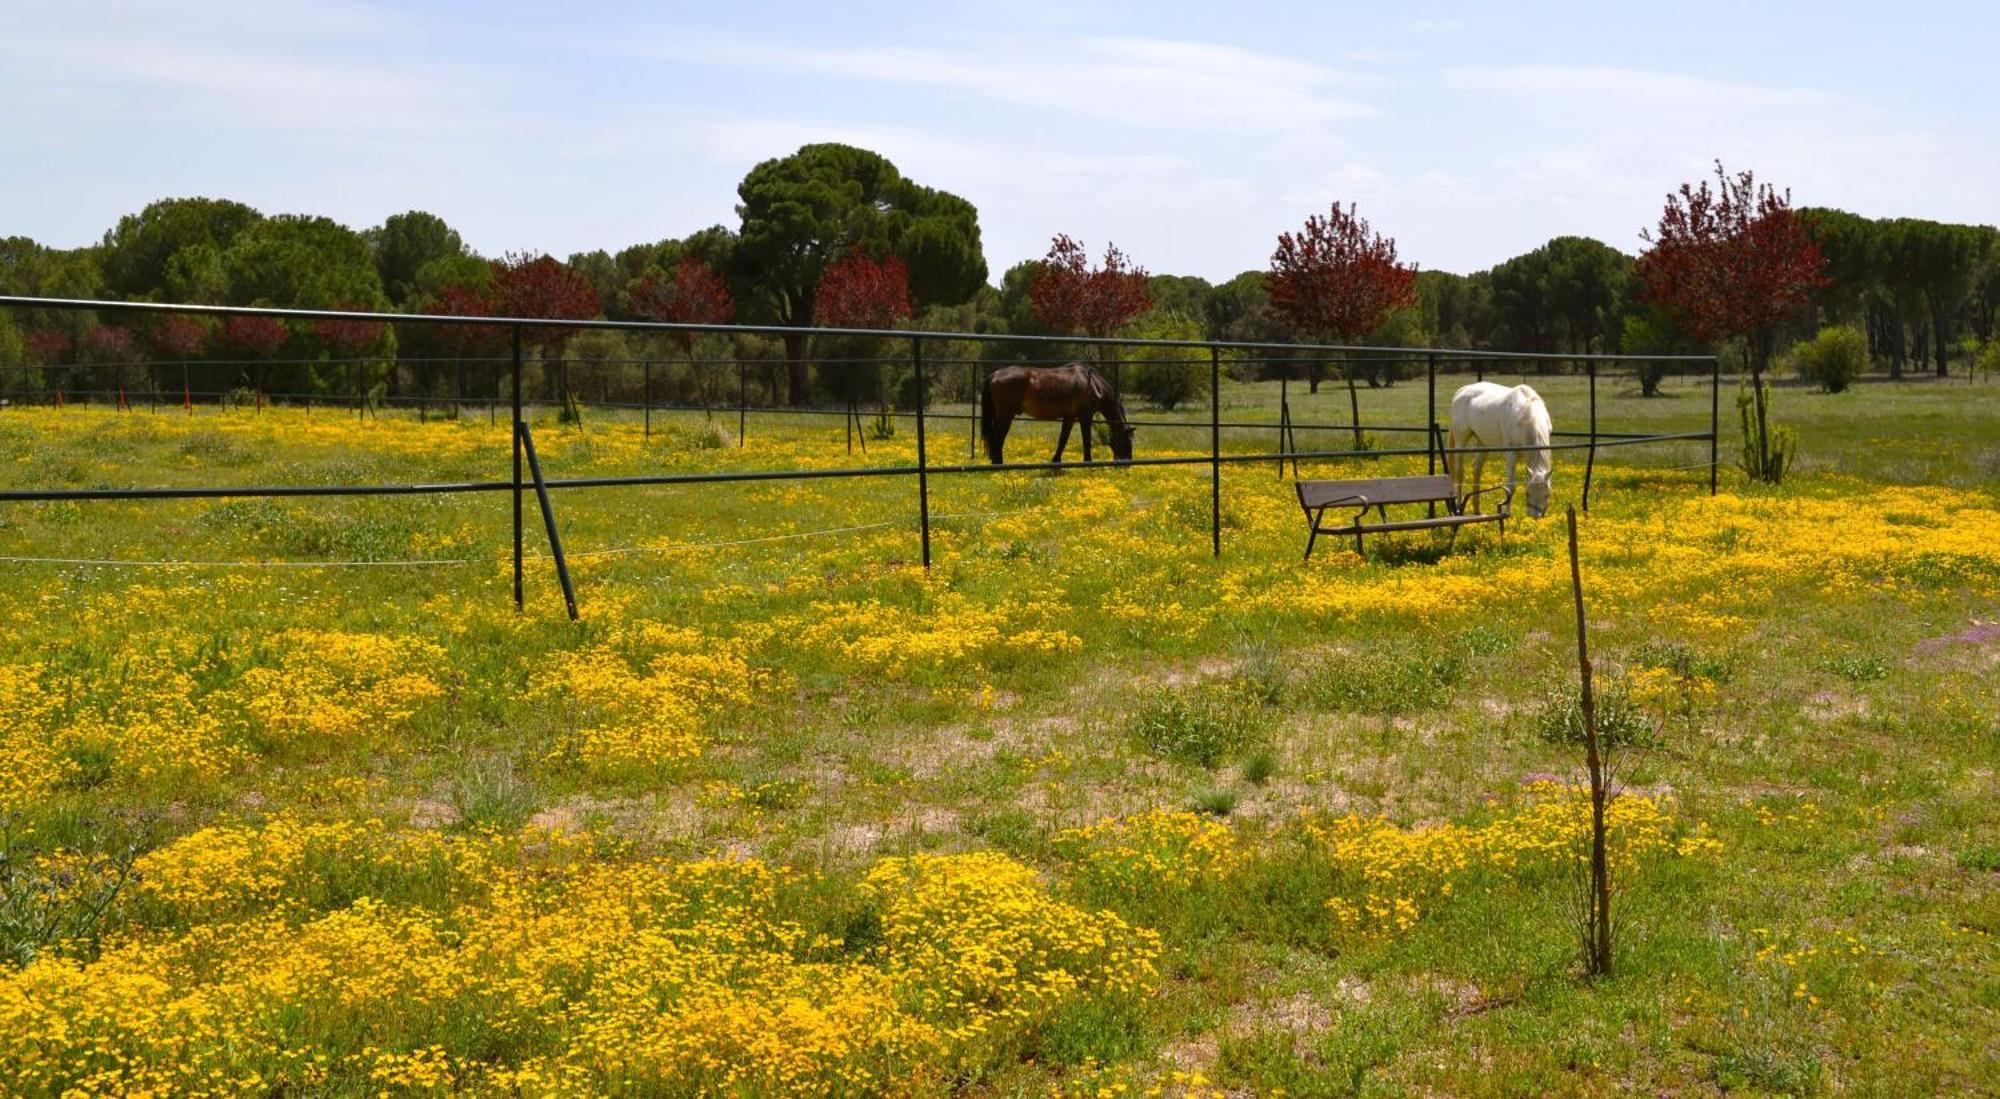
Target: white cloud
[
  {"x": 1133, "y": 81},
  {"x": 1625, "y": 85}
]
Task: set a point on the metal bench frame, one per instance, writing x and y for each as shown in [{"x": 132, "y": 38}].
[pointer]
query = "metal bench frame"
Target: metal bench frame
[{"x": 1316, "y": 497}]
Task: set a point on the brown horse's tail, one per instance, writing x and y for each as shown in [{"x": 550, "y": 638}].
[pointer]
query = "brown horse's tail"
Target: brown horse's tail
[{"x": 990, "y": 427}]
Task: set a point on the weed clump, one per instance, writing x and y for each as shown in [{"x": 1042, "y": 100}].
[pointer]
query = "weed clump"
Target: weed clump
[{"x": 1202, "y": 724}]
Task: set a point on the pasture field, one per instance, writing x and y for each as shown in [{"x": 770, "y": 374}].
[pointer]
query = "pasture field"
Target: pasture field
[{"x": 1080, "y": 811}]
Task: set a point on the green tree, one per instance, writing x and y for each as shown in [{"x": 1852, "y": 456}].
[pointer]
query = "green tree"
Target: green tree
[
  {"x": 23, "y": 265},
  {"x": 1587, "y": 281},
  {"x": 403, "y": 244},
  {"x": 1852, "y": 245},
  {"x": 1455, "y": 308},
  {"x": 1646, "y": 329},
  {"x": 1239, "y": 311},
  {"x": 302, "y": 262},
  {"x": 1564, "y": 296},
  {"x": 1168, "y": 376},
  {"x": 1186, "y": 295},
  {"x": 139, "y": 250},
  {"x": 804, "y": 211}
]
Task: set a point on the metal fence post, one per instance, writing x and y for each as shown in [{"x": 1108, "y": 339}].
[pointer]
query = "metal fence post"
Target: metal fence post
[
  {"x": 978, "y": 405},
  {"x": 1284, "y": 417},
  {"x": 1215, "y": 448},
  {"x": 1590, "y": 461},
  {"x": 519, "y": 600},
  {"x": 1431, "y": 402},
  {"x": 1714, "y": 421},
  {"x": 1431, "y": 424},
  {"x": 648, "y": 368},
  {"x": 742, "y": 401},
  {"x": 923, "y": 461}
]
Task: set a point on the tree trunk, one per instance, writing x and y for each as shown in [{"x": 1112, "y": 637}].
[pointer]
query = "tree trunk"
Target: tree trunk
[
  {"x": 1938, "y": 342},
  {"x": 798, "y": 383}
]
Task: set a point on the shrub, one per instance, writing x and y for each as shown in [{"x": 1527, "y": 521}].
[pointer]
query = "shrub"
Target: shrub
[
  {"x": 1395, "y": 679},
  {"x": 488, "y": 793},
  {"x": 1988, "y": 362},
  {"x": 1768, "y": 454},
  {"x": 1203, "y": 724},
  {"x": 1832, "y": 359},
  {"x": 1621, "y": 721},
  {"x": 1170, "y": 384}
]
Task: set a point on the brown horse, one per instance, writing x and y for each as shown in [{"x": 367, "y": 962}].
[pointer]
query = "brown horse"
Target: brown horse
[{"x": 1070, "y": 393}]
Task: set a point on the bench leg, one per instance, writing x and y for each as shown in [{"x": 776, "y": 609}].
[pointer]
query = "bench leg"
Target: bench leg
[
  {"x": 1312, "y": 524},
  {"x": 1357, "y": 538}
]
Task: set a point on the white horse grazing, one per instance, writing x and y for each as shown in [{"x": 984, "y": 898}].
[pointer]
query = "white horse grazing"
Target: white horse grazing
[{"x": 1487, "y": 415}]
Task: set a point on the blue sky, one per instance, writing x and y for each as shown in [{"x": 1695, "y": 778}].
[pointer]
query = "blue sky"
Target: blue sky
[{"x": 1191, "y": 134}]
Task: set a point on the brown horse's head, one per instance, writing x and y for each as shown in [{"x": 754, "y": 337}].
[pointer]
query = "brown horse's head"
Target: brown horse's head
[{"x": 1121, "y": 440}]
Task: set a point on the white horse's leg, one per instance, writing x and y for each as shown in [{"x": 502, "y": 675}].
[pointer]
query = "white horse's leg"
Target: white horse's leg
[
  {"x": 1478, "y": 477},
  {"x": 1513, "y": 456}
]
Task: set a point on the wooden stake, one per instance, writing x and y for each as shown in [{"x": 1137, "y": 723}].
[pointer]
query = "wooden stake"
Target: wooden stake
[{"x": 1597, "y": 953}]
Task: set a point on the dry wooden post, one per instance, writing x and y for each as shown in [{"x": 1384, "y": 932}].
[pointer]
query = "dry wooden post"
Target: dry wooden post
[{"x": 1597, "y": 940}]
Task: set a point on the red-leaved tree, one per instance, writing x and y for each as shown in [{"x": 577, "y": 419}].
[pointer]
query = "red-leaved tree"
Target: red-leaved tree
[
  {"x": 254, "y": 337},
  {"x": 1075, "y": 299},
  {"x": 859, "y": 291},
  {"x": 348, "y": 339},
  {"x": 542, "y": 286},
  {"x": 108, "y": 343},
  {"x": 49, "y": 346},
  {"x": 178, "y": 337},
  {"x": 694, "y": 294},
  {"x": 1337, "y": 279},
  {"x": 1733, "y": 261}
]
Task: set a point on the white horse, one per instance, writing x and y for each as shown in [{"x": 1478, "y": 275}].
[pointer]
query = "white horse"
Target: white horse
[{"x": 1487, "y": 415}]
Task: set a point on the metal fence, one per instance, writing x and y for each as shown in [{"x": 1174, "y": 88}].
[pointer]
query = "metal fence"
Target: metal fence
[{"x": 527, "y": 473}]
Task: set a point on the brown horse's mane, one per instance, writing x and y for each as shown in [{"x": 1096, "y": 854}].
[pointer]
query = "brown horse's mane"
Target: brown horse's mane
[{"x": 1112, "y": 407}]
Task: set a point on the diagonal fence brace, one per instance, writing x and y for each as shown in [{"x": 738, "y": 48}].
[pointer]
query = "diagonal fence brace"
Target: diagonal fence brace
[{"x": 548, "y": 517}]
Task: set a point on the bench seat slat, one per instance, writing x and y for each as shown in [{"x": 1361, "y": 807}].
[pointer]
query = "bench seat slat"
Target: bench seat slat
[
  {"x": 1411, "y": 524},
  {"x": 1378, "y": 490}
]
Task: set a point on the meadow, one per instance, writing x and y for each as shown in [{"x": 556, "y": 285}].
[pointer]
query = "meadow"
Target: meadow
[{"x": 1081, "y": 810}]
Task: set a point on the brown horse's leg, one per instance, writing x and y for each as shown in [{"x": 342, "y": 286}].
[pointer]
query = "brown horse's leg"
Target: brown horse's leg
[
  {"x": 1063, "y": 439},
  {"x": 996, "y": 425},
  {"x": 1086, "y": 435}
]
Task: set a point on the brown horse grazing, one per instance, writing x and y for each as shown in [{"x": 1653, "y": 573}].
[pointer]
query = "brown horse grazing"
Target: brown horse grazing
[{"x": 1070, "y": 393}]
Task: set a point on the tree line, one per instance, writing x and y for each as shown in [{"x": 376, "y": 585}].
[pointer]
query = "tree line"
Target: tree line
[{"x": 833, "y": 235}]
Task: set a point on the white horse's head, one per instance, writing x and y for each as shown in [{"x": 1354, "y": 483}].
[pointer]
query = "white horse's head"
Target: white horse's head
[{"x": 1539, "y": 481}]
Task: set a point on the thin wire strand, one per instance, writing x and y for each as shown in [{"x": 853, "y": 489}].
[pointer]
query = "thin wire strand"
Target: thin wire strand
[
  {"x": 621, "y": 551},
  {"x": 117, "y": 562}
]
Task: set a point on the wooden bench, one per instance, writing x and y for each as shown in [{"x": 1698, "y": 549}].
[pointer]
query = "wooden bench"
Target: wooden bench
[{"x": 1379, "y": 492}]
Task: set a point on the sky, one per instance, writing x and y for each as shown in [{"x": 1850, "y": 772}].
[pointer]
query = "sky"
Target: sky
[{"x": 1189, "y": 134}]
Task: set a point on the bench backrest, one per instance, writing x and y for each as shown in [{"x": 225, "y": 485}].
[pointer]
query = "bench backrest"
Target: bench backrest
[{"x": 1376, "y": 490}]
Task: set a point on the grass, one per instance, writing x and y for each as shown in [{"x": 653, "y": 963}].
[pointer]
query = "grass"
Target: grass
[{"x": 1785, "y": 659}]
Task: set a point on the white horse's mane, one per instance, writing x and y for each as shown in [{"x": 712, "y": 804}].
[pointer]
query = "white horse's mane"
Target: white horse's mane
[{"x": 1532, "y": 420}]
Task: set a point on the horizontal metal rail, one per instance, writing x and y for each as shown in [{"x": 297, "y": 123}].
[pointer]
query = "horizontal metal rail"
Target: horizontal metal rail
[
  {"x": 719, "y": 477},
  {"x": 349, "y": 399},
  {"x": 500, "y": 324}
]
